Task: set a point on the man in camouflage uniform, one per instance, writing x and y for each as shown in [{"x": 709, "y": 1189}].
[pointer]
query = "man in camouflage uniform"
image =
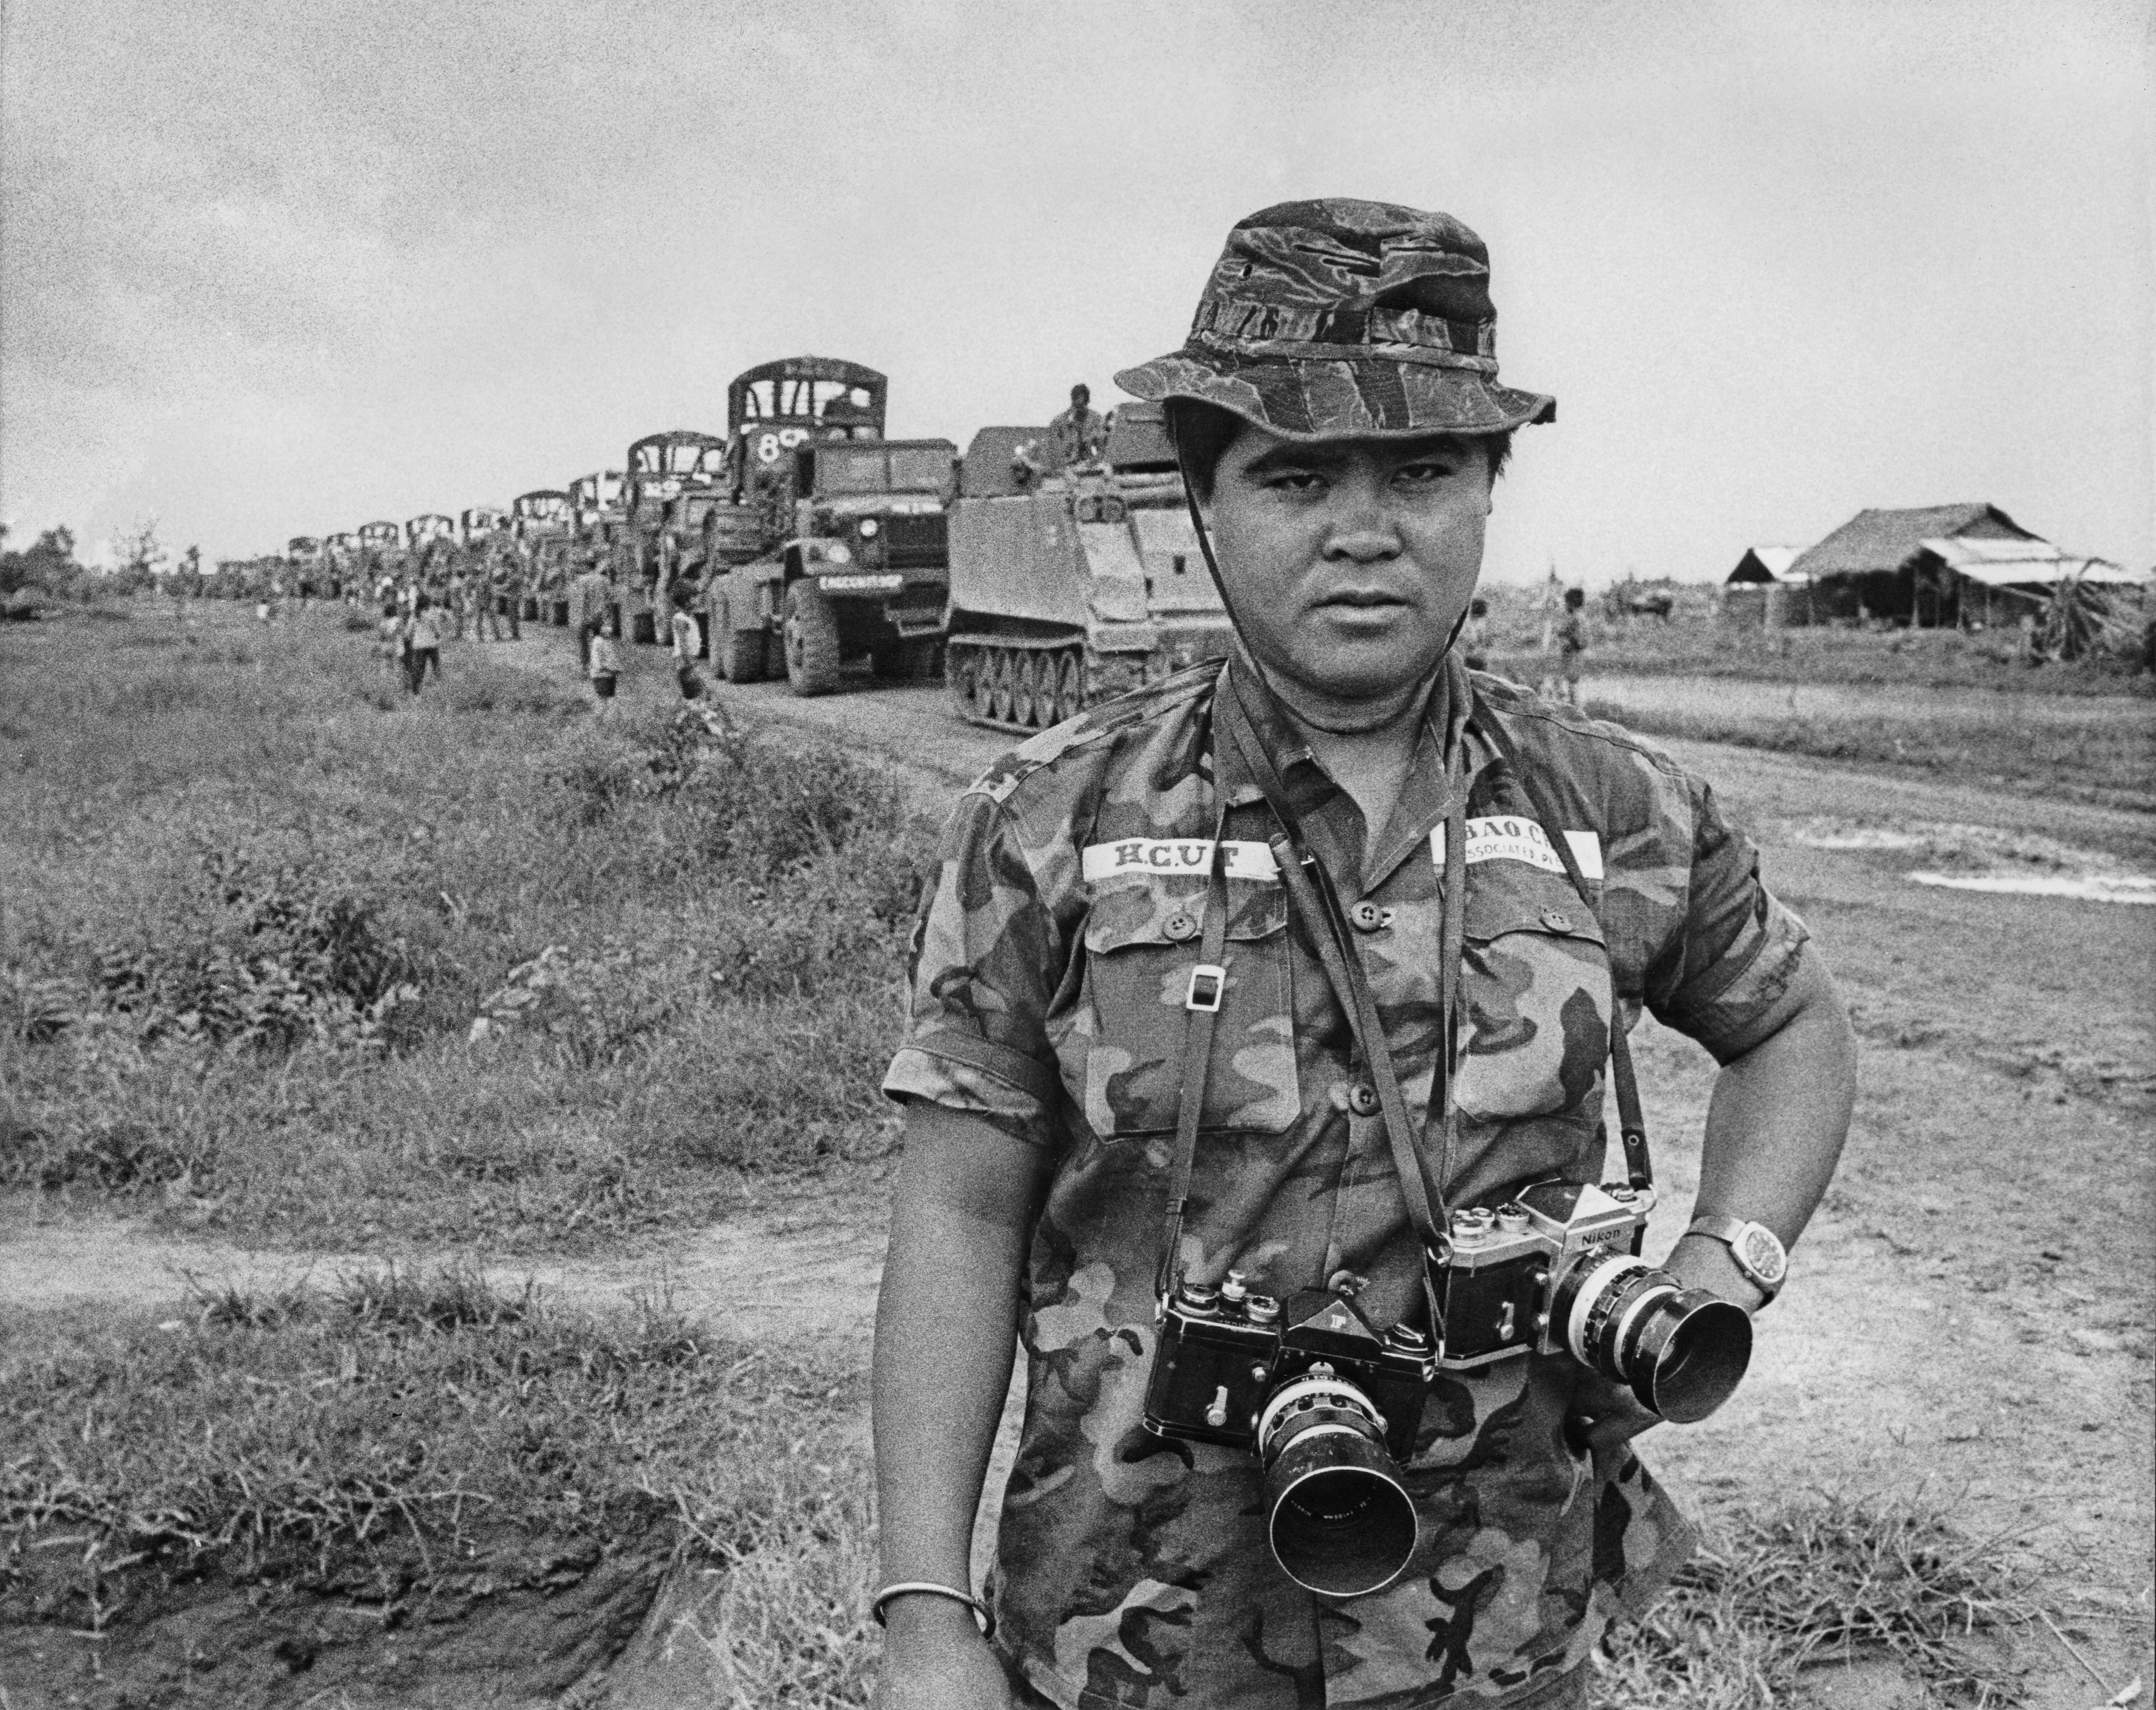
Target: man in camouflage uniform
[{"x": 1338, "y": 416}]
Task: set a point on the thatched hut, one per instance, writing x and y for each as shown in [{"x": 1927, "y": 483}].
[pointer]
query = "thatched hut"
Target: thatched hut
[{"x": 1867, "y": 568}]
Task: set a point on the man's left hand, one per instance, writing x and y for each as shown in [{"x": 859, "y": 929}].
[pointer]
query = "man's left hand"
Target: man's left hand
[{"x": 1606, "y": 1414}]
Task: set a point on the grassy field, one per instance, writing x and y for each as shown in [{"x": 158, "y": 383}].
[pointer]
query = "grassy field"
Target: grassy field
[
  {"x": 288, "y": 957},
  {"x": 367, "y": 1443}
]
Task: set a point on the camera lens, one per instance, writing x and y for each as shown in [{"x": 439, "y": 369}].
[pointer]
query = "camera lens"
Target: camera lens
[
  {"x": 1687, "y": 1354},
  {"x": 1681, "y": 1351},
  {"x": 1340, "y": 1522}
]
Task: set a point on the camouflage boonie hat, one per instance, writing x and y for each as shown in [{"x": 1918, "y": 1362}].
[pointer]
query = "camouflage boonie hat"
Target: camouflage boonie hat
[{"x": 1339, "y": 317}]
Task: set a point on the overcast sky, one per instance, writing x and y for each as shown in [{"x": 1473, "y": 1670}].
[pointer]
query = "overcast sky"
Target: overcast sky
[{"x": 275, "y": 271}]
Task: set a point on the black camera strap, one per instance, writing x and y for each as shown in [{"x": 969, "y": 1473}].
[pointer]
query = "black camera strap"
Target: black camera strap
[
  {"x": 1312, "y": 895},
  {"x": 1201, "y": 1009},
  {"x": 1631, "y": 1120}
]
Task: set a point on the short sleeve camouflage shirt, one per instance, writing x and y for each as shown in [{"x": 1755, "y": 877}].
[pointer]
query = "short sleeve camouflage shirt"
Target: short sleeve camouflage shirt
[{"x": 1052, "y": 961}]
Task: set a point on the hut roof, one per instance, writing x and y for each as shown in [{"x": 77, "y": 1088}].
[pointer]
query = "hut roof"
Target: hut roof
[
  {"x": 1765, "y": 564},
  {"x": 2026, "y": 563},
  {"x": 1874, "y": 541}
]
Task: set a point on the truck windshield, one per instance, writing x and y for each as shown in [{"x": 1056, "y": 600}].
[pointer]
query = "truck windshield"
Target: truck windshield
[
  {"x": 878, "y": 469},
  {"x": 918, "y": 468},
  {"x": 842, "y": 470},
  {"x": 676, "y": 458}
]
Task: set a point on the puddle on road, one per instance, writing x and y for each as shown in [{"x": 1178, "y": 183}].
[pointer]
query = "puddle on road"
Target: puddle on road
[
  {"x": 2085, "y": 887},
  {"x": 1985, "y": 858}
]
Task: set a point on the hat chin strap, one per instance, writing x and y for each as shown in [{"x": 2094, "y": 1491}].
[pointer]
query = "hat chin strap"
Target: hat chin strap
[{"x": 1236, "y": 622}]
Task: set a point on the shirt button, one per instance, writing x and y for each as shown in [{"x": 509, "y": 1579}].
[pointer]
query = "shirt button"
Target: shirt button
[
  {"x": 1178, "y": 927},
  {"x": 1368, "y": 917},
  {"x": 1557, "y": 920},
  {"x": 1363, "y": 1099}
]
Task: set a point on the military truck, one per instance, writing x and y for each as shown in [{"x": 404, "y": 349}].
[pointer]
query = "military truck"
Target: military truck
[
  {"x": 340, "y": 556},
  {"x": 540, "y": 527},
  {"x": 1076, "y": 585},
  {"x": 305, "y": 568},
  {"x": 380, "y": 551},
  {"x": 431, "y": 542},
  {"x": 837, "y": 546},
  {"x": 673, "y": 489}
]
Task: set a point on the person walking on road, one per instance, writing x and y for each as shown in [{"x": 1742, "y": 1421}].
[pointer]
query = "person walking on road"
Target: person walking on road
[
  {"x": 589, "y": 598},
  {"x": 603, "y": 664},
  {"x": 422, "y": 643},
  {"x": 688, "y": 639},
  {"x": 1572, "y": 640}
]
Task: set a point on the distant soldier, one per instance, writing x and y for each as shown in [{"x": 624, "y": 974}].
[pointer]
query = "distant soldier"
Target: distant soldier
[
  {"x": 1572, "y": 645},
  {"x": 508, "y": 591},
  {"x": 589, "y": 596},
  {"x": 1078, "y": 435}
]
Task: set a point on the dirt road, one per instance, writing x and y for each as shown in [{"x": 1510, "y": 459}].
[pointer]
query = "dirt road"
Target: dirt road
[{"x": 1971, "y": 1314}]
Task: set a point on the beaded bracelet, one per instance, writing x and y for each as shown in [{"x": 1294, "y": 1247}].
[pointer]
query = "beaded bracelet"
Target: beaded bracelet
[{"x": 904, "y": 1587}]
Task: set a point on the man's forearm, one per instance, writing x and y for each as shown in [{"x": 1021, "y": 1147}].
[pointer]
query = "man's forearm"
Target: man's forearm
[
  {"x": 945, "y": 1333},
  {"x": 1774, "y": 1128}
]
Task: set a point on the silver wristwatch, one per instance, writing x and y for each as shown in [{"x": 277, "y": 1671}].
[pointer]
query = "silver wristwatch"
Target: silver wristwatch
[{"x": 1757, "y": 1250}]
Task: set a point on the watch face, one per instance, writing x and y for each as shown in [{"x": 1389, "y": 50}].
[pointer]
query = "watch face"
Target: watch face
[{"x": 1763, "y": 1253}]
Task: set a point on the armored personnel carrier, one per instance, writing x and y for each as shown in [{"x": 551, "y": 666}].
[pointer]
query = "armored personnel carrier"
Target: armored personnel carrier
[
  {"x": 1074, "y": 585},
  {"x": 672, "y": 490},
  {"x": 837, "y": 547}
]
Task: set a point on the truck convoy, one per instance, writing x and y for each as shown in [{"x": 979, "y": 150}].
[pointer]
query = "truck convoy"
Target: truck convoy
[
  {"x": 836, "y": 548},
  {"x": 810, "y": 542}
]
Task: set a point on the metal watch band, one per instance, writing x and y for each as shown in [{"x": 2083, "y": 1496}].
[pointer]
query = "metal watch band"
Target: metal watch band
[
  {"x": 1740, "y": 1237},
  {"x": 931, "y": 1588}
]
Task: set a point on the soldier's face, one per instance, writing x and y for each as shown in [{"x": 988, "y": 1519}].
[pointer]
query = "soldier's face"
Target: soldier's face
[{"x": 1350, "y": 561}]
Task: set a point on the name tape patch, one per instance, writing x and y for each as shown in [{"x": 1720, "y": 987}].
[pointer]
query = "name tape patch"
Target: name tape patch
[
  {"x": 1192, "y": 855},
  {"x": 1509, "y": 838}
]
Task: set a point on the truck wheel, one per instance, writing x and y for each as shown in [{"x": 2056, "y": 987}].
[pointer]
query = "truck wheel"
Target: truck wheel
[
  {"x": 1069, "y": 687},
  {"x": 741, "y": 655},
  {"x": 812, "y": 641}
]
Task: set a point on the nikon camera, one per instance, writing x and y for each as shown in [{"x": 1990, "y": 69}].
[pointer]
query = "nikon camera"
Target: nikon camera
[
  {"x": 1557, "y": 1269},
  {"x": 1328, "y": 1403}
]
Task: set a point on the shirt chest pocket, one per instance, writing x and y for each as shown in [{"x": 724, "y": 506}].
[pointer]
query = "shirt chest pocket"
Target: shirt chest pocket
[
  {"x": 1535, "y": 977},
  {"x": 1123, "y": 1058}
]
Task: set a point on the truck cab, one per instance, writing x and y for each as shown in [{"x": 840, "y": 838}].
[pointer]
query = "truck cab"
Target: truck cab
[{"x": 849, "y": 556}]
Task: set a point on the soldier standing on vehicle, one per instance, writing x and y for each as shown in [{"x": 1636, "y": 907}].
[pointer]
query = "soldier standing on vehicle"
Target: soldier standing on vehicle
[
  {"x": 1416, "y": 908},
  {"x": 1076, "y": 436}
]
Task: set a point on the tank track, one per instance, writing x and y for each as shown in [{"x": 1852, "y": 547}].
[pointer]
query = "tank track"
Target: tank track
[{"x": 982, "y": 681}]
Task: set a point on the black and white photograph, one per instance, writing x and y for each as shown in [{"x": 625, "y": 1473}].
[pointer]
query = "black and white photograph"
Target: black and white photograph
[{"x": 983, "y": 855}]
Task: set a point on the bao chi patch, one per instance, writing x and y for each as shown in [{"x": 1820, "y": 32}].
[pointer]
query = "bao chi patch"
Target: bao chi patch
[
  {"x": 1163, "y": 857},
  {"x": 1510, "y": 837}
]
